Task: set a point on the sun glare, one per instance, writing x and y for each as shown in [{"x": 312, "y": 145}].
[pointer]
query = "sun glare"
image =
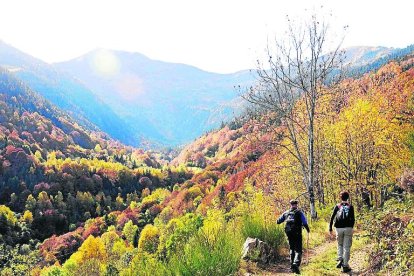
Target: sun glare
[{"x": 105, "y": 63}]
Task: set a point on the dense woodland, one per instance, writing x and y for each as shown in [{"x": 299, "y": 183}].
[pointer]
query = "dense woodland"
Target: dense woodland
[{"x": 74, "y": 201}]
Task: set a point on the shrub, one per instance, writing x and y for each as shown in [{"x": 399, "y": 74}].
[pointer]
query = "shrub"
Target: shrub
[
  {"x": 254, "y": 226},
  {"x": 177, "y": 233},
  {"x": 391, "y": 230},
  {"x": 205, "y": 256},
  {"x": 258, "y": 219},
  {"x": 145, "y": 264}
]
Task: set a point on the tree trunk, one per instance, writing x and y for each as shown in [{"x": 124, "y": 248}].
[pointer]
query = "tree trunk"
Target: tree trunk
[{"x": 311, "y": 166}]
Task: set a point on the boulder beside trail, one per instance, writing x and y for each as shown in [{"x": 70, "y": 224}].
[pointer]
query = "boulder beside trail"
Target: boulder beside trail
[{"x": 257, "y": 250}]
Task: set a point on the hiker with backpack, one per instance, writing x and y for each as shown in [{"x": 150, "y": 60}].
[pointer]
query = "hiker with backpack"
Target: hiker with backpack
[
  {"x": 295, "y": 220},
  {"x": 343, "y": 218}
]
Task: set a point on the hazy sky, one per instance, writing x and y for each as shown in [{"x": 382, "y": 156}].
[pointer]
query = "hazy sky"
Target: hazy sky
[{"x": 220, "y": 36}]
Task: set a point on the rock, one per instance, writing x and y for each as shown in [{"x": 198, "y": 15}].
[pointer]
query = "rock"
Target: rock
[
  {"x": 249, "y": 245},
  {"x": 257, "y": 250}
]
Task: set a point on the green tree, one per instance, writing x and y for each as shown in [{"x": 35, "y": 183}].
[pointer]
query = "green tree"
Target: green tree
[{"x": 129, "y": 231}]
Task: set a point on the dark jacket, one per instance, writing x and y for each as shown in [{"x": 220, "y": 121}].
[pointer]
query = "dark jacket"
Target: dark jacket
[
  {"x": 300, "y": 219},
  {"x": 342, "y": 224}
]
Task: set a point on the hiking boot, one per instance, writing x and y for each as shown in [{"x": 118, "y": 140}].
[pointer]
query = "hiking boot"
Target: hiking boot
[
  {"x": 346, "y": 269},
  {"x": 339, "y": 264},
  {"x": 295, "y": 269}
]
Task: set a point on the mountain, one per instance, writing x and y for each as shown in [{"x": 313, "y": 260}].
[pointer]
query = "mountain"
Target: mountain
[
  {"x": 376, "y": 58},
  {"x": 73, "y": 209},
  {"x": 61, "y": 168},
  {"x": 137, "y": 99},
  {"x": 174, "y": 103},
  {"x": 20, "y": 99},
  {"x": 66, "y": 93},
  {"x": 167, "y": 102},
  {"x": 241, "y": 184},
  {"x": 361, "y": 55}
]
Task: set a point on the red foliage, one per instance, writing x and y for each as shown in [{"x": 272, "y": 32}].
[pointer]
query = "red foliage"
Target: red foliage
[
  {"x": 155, "y": 210},
  {"x": 407, "y": 181},
  {"x": 10, "y": 149},
  {"x": 59, "y": 248},
  {"x": 127, "y": 215},
  {"x": 91, "y": 230},
  {"x": 236, "y": 181},
  {"x": 42, "y": 186}
]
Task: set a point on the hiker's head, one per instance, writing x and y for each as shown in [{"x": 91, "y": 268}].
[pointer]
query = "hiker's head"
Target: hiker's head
[
  {"x": 344, "y": 196},
  {"x": 293, "y": 203}
]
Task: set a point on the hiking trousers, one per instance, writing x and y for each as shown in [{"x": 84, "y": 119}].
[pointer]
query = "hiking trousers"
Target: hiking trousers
[
  {"x": 295, "y": 246},
  {"x": 344, "y": 238}
]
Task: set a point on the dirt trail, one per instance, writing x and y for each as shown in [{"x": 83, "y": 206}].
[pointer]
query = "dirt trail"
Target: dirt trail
[{"x": 357, "y": 263}]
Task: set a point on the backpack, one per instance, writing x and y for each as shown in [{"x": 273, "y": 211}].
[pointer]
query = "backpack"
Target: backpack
[
  {"x": 293, "y": 221},
  {"x": 342, "y": 216}
]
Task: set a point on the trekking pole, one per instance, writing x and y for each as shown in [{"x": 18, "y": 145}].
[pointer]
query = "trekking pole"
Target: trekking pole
[{"x": 307, "y": 250}]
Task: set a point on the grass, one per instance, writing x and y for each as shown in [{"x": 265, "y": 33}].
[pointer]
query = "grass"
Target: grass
[
  {"x": 319, "y": 233},
  {"x": 201, "y": 257},
  {"x": 324, "y": 262},
  {"x": 256, "y": 227}
]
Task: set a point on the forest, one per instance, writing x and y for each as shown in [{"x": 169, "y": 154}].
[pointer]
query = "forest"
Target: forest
[{"x": 73, "y": 201}]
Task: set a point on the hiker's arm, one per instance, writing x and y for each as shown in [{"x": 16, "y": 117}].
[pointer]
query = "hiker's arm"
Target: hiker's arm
[
  {"x": 332, "y": 218},
  {"x": 304, "y": 222},
  {"x": 281, "y": 219},
  {"x": 352, "y": 216}
]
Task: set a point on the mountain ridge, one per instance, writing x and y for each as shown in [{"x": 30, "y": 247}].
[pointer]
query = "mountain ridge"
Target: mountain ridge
[
  {"x": 143, "y": 88},
  {"x": 144, "y": 99},
  {"x": 65, "y": 92}
]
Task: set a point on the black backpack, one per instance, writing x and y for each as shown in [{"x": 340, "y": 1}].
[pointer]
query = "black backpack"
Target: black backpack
[
  {"x": 342, "y": 216},
  {"x": 293, "y": 221}
]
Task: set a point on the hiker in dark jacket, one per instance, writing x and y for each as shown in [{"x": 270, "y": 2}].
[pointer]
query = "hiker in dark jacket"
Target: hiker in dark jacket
[
  {"x": 343, "y": 218},
  {"x": 295, "y": 220}
]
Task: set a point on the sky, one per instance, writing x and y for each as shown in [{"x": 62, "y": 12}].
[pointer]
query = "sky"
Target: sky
[{"x": 216, "y": 35}]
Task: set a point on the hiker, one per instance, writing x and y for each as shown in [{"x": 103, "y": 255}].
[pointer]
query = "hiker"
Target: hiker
[
  {"x": 295, "y": 219},
  {"x": 344, "y": 217}
]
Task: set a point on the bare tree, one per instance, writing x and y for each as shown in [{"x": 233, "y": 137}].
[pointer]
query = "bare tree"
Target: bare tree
[{"x": 298, "y": 70}]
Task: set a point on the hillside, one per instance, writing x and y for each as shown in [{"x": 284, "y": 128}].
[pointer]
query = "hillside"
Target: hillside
[
  {"x": 145, "y": 102},
  {"x": 166, "y": 102},
  {"x": 368, "y": 59},
  {"x": 193, "y": 215},
  {"x": 62, "y": 173},
  {"x": 362, "y": 55},
  {"x": 173, "y": 104},
  {"x": 66, "y": 93}
]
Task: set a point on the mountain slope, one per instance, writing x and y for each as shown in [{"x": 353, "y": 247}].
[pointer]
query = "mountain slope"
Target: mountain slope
[
  {"x": 175, "y": 103},
  {"x": 61, "y": 171},
  {"x": 382, "y": 57},
  {"x": 361, "y": 55},
  {"x": 65, "y": 92},
  {"x": 170, "y": 103}
]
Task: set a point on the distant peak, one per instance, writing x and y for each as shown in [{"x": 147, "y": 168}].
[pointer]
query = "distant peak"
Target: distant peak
[{"x": 368, "y": 48}]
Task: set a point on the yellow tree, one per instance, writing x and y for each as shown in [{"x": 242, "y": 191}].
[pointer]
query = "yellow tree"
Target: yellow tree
[
  {"x": 93, "y": 248},
  {"x": 363, "y": 147},
  {"x": 298, "y": 69},
  {"x": 27, "y": 217},
  {"x": 149, "y": 239}
]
